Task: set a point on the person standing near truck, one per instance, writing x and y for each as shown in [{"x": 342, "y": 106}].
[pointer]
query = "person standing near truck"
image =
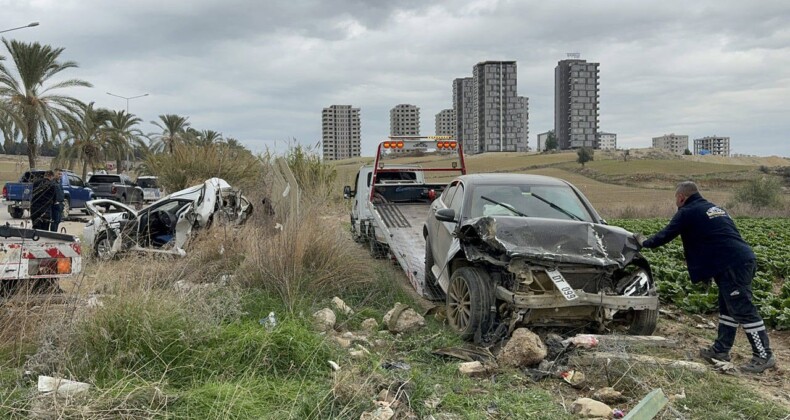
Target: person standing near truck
[
  {"x": 57, "y": 205},
  {"x": 43, "y": 196},
  {"x": 715, "y": 249}
]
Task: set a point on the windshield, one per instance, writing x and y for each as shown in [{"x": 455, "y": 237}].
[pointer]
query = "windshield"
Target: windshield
[
  {"x": 147, "y": 183},
  {"x": 546, "y": 201},
  {"x": 105, "y": 179}
]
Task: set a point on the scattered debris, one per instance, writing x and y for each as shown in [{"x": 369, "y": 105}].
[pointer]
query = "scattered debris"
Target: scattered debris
[
  {"x": 468, "y": 354},
  {"x": 649, "y": 407},
  {"x": 396, "y": 365},
  {"x": 370, "y": 325},
  {"x": 620, "y": 341},
  {"x": 681, "y": 396},
  {"x": 588, "y": 407},
  {"x": 341, "y": 306},
  {"x": 270, "y": 322},
  {"x": 402, "y": 319},
  {"x": 609, "y": 395},
  {"x": 324, "y": 320},
  {"x": 704, "y": 323},
  {"x": 618, "y": 413},
  {"x": 554, "y": 346},
  {"x": 575, "y": 379},
  {"x": 523, "y": 349},
  {"x": 334, "y": 365},
  {"x": 474, "y": 368},
  {"x": 587, "y": 359},
  {"x": 61, "y": 387},
  {"x": 382, "y": 412},
  {"x": 585, "y": 341},
  {"x": 724, "y": 366}
]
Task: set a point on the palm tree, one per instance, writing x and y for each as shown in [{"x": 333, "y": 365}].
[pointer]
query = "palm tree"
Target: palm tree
[
  {"x": 124, "y": 136},
  {"x": 173, "y": 131},
  {"x": 87, "y": 137},
  {"x": 36, "y": 110},
  {"x": 11, "y": 133}
]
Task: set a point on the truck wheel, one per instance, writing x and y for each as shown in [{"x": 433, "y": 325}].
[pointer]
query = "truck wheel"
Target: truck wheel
[
  {"x": 16, "y": 212},
  {"x": 431, "y": 284},
  {"x": 469, "y": 302}
]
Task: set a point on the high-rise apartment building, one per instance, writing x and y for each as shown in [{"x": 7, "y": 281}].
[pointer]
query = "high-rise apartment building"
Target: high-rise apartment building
[
  {"x": 340, "y": 132},
  {"x": 463, "y": 106},
  {"x": 675, "y": 143},
  {"x": 540, "y": 144},
  {"x": 607, "y": 141},
  {"x": 445, "y": 123},
  {"x": 405, "y": 120},
  {"x": 576, "y": 104},
  {"x": 500, "y": 114},
  {"x": 714, "y": 145}
]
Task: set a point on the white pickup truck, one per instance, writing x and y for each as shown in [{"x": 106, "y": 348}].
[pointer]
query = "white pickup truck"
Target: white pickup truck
[
  {"x": 36, "y": 256},
  {"x": 392, "y": 202}
]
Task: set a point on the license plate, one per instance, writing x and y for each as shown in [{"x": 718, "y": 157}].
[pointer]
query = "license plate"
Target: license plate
[{"x": 562, "y": 285}]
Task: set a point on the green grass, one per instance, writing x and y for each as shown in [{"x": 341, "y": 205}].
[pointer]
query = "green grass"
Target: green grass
[{"x": 672, "y": 166}]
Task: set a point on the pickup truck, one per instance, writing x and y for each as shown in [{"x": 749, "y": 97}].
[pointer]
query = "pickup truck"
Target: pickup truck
[
  {"x": 17, "y": 194},
  {"x": 151, "y": 190},
  {"x": 116, "y": 187},
  {"x": 392, "y": 202},
  {"x": 40, "y": 257}
]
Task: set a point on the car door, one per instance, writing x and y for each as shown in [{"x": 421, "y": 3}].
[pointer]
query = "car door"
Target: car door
[
  {"x": 79, "y": 194},
  {"x": 445, "y": 230}
]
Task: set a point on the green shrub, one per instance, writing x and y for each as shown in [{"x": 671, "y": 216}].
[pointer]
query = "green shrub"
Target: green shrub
[{"x": 760, "y": 192}]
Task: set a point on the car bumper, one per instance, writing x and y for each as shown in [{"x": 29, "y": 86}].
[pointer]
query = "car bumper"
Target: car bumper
[{"x": 556, "y": 300}]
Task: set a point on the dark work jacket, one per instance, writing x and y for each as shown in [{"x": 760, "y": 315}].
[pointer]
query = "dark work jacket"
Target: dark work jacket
[
  {"x": 59, "y": 196},
  {"x": 41, "y": 200},
  {"x": 711, "y": 242}
]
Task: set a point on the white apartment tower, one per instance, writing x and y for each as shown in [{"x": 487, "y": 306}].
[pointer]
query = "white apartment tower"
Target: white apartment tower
[
  {"x": 405, "y": 120},
  {"x": 675, "y": 143},
  {"x": 340, "y": 130},
  {"x": 714, "y": 145},
  {"x": 445, "y": 123},
  {"x": 607, "y": 141}
]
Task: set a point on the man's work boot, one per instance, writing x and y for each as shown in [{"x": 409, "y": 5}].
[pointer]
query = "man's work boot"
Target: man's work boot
[
  {"x": 759, "y": 365},
  {"x": 708, "y": 354}
]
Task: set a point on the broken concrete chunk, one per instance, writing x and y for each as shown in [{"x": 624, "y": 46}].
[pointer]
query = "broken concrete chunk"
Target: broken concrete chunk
[
  {"x": 382, "y": 412},
  {"x": 609, "y": 395},
  {"x": 370, "y": 325},
  {"x": 523, "y": 349},
  {"x": 589, "y": 408},
  {"x": 575, "y": 378},
  {"x": 62, "y": 387},
  {"x": 402, "y": 319},
  {"x": 324, "y": 320},
  {"x": 472, "y": 369},
  {"x": 340, "y": 341},
  {"x": 341, "y": 306}
]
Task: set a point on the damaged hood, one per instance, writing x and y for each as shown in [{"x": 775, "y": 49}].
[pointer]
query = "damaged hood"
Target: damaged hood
[{"x": 550, "y": 241}]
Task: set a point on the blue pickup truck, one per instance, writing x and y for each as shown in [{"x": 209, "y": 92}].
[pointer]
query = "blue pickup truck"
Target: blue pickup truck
[{"x": 17, "y": 194}]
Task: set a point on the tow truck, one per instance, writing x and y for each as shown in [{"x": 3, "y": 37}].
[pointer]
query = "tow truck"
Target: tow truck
[
  {"x": 392, "y": 202},
  {"x": 36, "y": 258}
]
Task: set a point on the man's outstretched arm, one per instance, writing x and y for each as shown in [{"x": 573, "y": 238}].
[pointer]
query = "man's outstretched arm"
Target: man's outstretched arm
[{"x": 670, "y": 232}]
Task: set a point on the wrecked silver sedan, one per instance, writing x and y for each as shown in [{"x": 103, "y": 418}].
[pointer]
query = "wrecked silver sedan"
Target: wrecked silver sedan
[
  {"x": 509, "y": 249},
  {"x": 166, "y": 225}
]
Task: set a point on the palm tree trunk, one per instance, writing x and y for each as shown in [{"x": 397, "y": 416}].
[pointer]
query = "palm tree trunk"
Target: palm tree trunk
[
  {"x": 118, "y": 163},
  {"x": 31, "y": 145},
  {"x": 84, "y": 169}
]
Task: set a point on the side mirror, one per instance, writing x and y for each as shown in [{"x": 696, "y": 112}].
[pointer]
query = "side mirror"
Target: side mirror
[
  {"x": 445, "y": 215},
  {"x": 347, "y": 193}
]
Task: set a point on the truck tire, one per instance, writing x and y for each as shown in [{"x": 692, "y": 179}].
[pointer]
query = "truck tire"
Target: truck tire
[
  {"x": 469, "y": 303},
  {"x": 16, "y": 212},
  {"x": 432, "y": 287}
]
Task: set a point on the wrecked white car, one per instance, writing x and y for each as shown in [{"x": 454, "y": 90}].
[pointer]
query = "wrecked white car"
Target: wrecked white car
[
  {"x": 510, "y": 249},
  {"x": 166, "y": 225}
]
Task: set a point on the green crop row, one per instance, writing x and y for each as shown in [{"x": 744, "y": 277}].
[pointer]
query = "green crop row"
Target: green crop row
[{"x": 770, "y": 239}]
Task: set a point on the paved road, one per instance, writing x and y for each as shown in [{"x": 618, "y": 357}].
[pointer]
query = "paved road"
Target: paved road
[{"x": 72, "y": 227}]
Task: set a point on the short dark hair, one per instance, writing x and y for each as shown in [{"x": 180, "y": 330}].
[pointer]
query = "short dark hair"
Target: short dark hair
[
  {"x": 49, "y": 173},
  {"x": 687, "y": 188}
]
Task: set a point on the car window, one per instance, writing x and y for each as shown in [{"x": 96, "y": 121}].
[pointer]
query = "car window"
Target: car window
[
  {"x": 458, "y": 199},
  {"x": 447, "y": 195},
  {"x": 547, "y": 201},
  {"x": 147, "y": 183},
  {"x": 75, "y": 181},
  {"x": 105, "y": 179}
]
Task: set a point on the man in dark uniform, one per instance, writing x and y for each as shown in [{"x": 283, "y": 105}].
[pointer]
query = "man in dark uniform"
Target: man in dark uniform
[
  {"x": 41, "y": 200},
  {"x": 57, "y": 205},
  {"x": 715, "y": 249}
]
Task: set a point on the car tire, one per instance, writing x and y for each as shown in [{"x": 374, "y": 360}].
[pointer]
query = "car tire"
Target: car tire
[
  {"x": 432, "y": 287},
  {"x": 643, "y": 322},
  {"x": 469, "y": 302},
  {"x": 102, "y": 248},
  {"x": 16, "y": 212}
]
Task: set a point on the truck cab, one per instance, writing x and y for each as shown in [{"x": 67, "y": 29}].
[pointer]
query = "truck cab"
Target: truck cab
[{"x": 18, "y": 194}]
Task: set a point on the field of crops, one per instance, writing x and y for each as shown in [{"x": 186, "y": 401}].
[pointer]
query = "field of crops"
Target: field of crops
[{"x": 770, "y": 239}]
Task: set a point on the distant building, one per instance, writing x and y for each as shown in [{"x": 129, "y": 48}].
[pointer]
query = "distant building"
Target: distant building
[
  {"x": 714, "y": 145},
  {"x": 541, "y": 142},
  {"x": 445, "y": 123},
  {"x": 607, "y": 141},
  {"x": 340, "y": 132},
  {"x": 576, "y": 104},
  {"x": 464, "y": 108},
  {"x": 405, "y": 120},
  {"x": 500, "y": 114},
  {"x": 675, "y": 143}
]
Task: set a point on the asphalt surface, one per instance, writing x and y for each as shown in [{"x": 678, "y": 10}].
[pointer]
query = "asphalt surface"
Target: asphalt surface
[{"x": 73, "y": 226}]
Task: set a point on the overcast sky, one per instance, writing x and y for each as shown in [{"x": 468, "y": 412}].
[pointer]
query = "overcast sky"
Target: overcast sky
[{"x": 261, "y": 71}]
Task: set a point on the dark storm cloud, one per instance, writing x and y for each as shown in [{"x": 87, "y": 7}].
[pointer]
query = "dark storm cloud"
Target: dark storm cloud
[{"x": 262, "y": 71}]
